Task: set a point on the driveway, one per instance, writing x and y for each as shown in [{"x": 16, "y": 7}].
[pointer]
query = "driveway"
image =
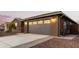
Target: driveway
[{"x": 22, "y": 40}]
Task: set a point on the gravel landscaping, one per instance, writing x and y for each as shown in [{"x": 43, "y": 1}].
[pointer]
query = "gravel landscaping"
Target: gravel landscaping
[{"x": 59, "y": 43}]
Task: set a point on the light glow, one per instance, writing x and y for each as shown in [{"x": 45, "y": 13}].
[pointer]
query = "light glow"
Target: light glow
[
  {"x": 16, "y": 24},
  {"x": 53, "y": 20},
  {"x": 40, "y": 22},
  {"x": 47, "y": 22},
  {"x": 25, "y": 23}
]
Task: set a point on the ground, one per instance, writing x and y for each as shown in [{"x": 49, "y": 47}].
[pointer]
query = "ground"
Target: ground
[
  {"x": 59, "y": 43},
  {"x": 21, "y": 40}
]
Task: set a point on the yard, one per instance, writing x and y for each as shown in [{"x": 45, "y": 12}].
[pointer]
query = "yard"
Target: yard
[
  {"x": 21, "y": 40},
  {"x": 59, "y": 43}
]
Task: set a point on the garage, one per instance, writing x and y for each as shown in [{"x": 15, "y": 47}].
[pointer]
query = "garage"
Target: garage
[
  {"x": 40, "y": 27},
  {"x": 55, "y": 23}
]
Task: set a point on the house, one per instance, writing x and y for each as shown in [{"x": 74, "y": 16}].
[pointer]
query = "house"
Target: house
[
  {"x": 16, "y": 25},
  {"x": 2, "y": 28},
  {"x": 54, "y": 23}
]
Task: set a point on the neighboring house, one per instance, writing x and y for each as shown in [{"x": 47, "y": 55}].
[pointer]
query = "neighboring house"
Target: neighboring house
[
  {"x": 16, "y": 25},
  {"x": 2, "y": 28},
  {"x": 6, "y": 26},
  {"x": 54, "y": 23}
]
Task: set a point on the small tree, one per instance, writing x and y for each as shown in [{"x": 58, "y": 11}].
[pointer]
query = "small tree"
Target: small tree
[{"x": 12, "y": 26}]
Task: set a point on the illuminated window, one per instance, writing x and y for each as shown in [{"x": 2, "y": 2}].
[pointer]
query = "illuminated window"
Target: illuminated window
[
  {"x": 47, "y": 22},
  {"x": 16, "y": 24},
  {"x": 30, "y": 23},
  {"x": 34, "y": 22},
  {"x": 40, "y": 22},
  {"x": 25, "y": 23}
]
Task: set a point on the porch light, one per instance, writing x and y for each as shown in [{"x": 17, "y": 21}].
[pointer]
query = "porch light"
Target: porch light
[
  {"x": 16, "y": 24},
  {"x": 53, "y": 20},
  {"x": 25, "y": 23}
]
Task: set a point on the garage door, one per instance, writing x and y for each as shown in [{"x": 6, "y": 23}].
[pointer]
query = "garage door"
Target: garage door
[{"x": 40, "y": 28}]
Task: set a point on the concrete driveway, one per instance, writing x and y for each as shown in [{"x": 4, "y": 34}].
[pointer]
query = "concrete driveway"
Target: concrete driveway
[{"x": 22, "y": 40}]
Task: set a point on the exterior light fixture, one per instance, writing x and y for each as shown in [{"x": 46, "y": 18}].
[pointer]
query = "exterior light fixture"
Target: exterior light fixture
[
  {"x": 53, "y": 20},
  {"x": 25, "y": 23},
  {"x": 16, "y": 24}
]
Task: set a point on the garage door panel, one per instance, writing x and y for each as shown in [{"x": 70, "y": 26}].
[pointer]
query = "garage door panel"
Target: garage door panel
[{"x": 40, "y": 29}]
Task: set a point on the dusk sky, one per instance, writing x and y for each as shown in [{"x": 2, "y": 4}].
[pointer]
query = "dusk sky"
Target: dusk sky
[{"x": 24, "y": 14}]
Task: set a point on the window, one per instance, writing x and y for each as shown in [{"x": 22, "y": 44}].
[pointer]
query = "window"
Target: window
[
  {"x": 30, "y": 23},
  {"x": 35, "y": 22},
  {"x": 46, "y": 21},
  {"x": 40, "y": 22},
  {"x": 16, "y": 24},
  {"x": 25, "y": 23}
]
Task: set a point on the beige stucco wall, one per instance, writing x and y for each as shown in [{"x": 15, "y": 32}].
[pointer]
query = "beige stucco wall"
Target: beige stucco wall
[{"x": 54, "y": 26}]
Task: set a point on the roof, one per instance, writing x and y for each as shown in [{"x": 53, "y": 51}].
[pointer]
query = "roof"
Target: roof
[
  {"x": 46, "y": 14},
  {"x": 49, "y": 14},
  {"x": 18, "y": 19}
]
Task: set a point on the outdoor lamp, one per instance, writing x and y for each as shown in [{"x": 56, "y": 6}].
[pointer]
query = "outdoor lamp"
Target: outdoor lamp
[
  {"x": 25, "y": 23},
  {"x": 53, "y": 20},
  {"x": 16, "y": 24}
]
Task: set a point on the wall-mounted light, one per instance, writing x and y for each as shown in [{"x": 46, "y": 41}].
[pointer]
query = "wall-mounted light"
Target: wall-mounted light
[
  {"x": 53, "y": 20},
  {"x": 16, "y": 24},
  {"x": 25, "y": 23}
]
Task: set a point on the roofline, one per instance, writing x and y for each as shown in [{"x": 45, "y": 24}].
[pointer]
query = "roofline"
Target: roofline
[
  {"x": 69, "y": 18},
  {"x": 17, "y": 19},
  {"x": 49, "y": 14},
  {"x": 44, "y": 15}
]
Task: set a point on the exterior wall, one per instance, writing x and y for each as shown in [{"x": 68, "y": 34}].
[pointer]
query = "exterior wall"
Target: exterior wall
[
  {"x": 18, "y": 27},
  {"x": 26, "y": 27},
  {"x": 71, "y": 27},
  {"x": 54, "y": 25},
  {"x": 48, "y": 29},
  {"x": 78, "y": 28},
  {"x": 74, "y": 28}
]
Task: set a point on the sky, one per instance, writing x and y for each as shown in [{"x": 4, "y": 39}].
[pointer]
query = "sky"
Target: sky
[{"x": 25, "y": 14}]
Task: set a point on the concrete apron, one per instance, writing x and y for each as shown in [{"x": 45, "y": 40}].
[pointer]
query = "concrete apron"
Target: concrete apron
[
  {"x": 23, "y": 40},
  {"x": 69, "y": 37},
  {"x": 33, "y": 43}
]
